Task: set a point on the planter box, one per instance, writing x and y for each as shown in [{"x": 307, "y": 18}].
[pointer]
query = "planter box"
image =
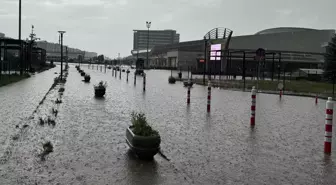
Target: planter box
[
  {"x": 171, "y": 80},
  {"x": 143, "y": 147},
  {"x": 87, "y": 78},
  {"x": 139, "y": 72},
  {"x": 99, "y": 92},
  {"x": 187, "y": 84},
  {"x": 82, "y": 73}
]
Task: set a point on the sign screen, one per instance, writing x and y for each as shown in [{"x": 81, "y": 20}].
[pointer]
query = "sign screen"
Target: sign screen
[{"x": 215, "y": 53}]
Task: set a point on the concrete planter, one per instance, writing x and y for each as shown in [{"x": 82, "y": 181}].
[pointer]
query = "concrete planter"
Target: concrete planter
[
  {"x": 139, "y": 72},
  {"x": 100, "y": 92},
  {"x": 87, "y": 78},
  {"x": 82, "y": 73},
  {"x": 188, "y": 84},
  {"x": 171, "y": 80},
  {"x": 143, "y": 147}
]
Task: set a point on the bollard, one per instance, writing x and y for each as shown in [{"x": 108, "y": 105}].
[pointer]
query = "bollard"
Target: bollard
[
  {"x": 188, "y": 93},
  {"x": 120, "y": 74},
  {"x": 144, "y": 81},
  {"x": 126, "y": 77},
  {"x": 134, "y": 78},
  {"x": 280, "y": 94},
  {"x": 316, "y": 99},
  {"x": 253, "y": 105},
  {"x": 209, "y": 97},
  {"x": 97, "y": 66},
  {"x": 88, "y": 66},
  {"x": 101, "y": 68},
  {"x": 328, "y": 126},
  {"x": 115, "y": 73},
  {"x": 112, "y": 72}
]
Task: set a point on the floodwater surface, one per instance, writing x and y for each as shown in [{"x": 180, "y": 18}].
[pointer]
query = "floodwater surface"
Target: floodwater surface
[{"x": 285, "y": 147}]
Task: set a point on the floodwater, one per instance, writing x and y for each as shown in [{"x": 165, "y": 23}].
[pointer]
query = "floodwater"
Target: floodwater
[{"x": 285, "y": 147}]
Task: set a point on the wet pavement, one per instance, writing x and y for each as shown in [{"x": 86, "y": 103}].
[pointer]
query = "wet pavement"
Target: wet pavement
[
  {"x": 285, "y": 147},
  {"x": 18, "y": 101}
]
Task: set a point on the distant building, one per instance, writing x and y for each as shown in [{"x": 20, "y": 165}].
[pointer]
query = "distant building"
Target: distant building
[
  {"x": 156, "y": 37},
  {"x": 286, "y": 48},
  {"x": 2, "y": 35},
  {"x": 54, "y": 51}
]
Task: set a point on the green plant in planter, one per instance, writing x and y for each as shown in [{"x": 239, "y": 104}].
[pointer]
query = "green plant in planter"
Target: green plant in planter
[
  {"x": 100, "y": 89},
  {"x": 140, "y": 126},
  {"x": 142, "y": 139},
  {"x": 101, "y": 85}
]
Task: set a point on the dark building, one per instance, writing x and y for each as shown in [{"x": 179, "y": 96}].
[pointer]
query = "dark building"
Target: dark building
[
  {"x": 156, "y": 37},
  {"x": 286, "y": 48}
]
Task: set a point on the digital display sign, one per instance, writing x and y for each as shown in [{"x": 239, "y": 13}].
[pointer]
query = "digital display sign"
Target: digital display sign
[{"x": 215, "y": 53}]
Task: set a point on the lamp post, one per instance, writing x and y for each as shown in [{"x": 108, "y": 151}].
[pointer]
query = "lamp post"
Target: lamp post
[
  {"x": 21, "y": 58},
  {"x": 148, "y": 24},
  {"x": 61, "y": 34}
]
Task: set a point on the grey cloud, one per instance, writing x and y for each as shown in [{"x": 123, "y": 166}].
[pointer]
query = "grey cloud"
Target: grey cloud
[{"x": 105, "y": 26}]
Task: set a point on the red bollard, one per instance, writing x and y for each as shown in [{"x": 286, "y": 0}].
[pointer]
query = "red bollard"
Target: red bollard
[
  {"x": 328, "y": 126},
  {"x": 209, "y": 97},
  {"x": 316, "y": 99},
  {"x": 253, "y": 105},
  {"x": 188, "y": 94},
  {"x": 280, "y": 94}
]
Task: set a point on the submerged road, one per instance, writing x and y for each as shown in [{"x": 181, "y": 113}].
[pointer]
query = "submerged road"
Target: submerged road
[{"x": 285, "y": 147}]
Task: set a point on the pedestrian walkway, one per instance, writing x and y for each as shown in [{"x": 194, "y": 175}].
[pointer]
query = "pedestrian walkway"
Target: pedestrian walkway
[{"x": 18, "y": 101}]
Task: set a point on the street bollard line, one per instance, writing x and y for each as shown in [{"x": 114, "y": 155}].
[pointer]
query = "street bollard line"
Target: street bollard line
[
  {"x": 209, "y": 97},
  {"x": 144, "y": 81},
  {"x": 328, "y": 125},
  {"x": 253, "y": 106}
]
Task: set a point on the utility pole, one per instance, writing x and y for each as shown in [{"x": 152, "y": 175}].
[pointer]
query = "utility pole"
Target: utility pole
[
  {"x": 61, "y": 34},
  {"x": 148, "y": 24},
  {"x": 21, "y": 58}
]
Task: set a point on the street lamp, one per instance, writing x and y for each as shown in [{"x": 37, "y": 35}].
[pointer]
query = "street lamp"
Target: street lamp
[
  {"x": 21, "y": 58},
  {"x": 148, "y": 24},
  {"x": 61, "y": 34}
]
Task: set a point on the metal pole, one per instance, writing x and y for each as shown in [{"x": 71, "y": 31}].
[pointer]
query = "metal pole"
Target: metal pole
[
  {"x": 1, "y": 60},
  {"x": 61, "y": 56},
  {"x": 333, "y": 76},
  {"x": 284, "y": 78},
  {"x": 244, "y": 60},
  {"x": 148, "y": 24},
  {"x": 258, "y": 74},
  {"x": 273, "y": 67},
  {"x": 279, "y": 67},
  {"x": 66, "y": 53},
  {"x": 204, "y": 66},
  {"x": 21, "y": 59}
]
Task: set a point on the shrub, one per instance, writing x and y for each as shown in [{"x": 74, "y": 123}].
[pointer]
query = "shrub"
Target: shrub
[
  {"x": 140, "y": 126},
  {"x": 61, "y": 89},
  {"x": 101, "y": 85}
]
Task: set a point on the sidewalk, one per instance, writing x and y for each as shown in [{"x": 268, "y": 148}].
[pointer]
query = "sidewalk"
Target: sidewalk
[{"x": 267, "y": 86}]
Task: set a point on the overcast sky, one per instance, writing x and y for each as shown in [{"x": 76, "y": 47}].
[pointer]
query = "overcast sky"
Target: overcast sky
[{"x": 105, "y": 26}]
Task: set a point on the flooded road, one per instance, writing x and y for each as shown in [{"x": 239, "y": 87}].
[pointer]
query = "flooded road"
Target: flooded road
[{"x": 285, "y": 147}]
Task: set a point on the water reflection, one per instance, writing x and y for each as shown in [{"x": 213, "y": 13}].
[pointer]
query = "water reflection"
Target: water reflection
[{"x": 141, "y": 171}]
